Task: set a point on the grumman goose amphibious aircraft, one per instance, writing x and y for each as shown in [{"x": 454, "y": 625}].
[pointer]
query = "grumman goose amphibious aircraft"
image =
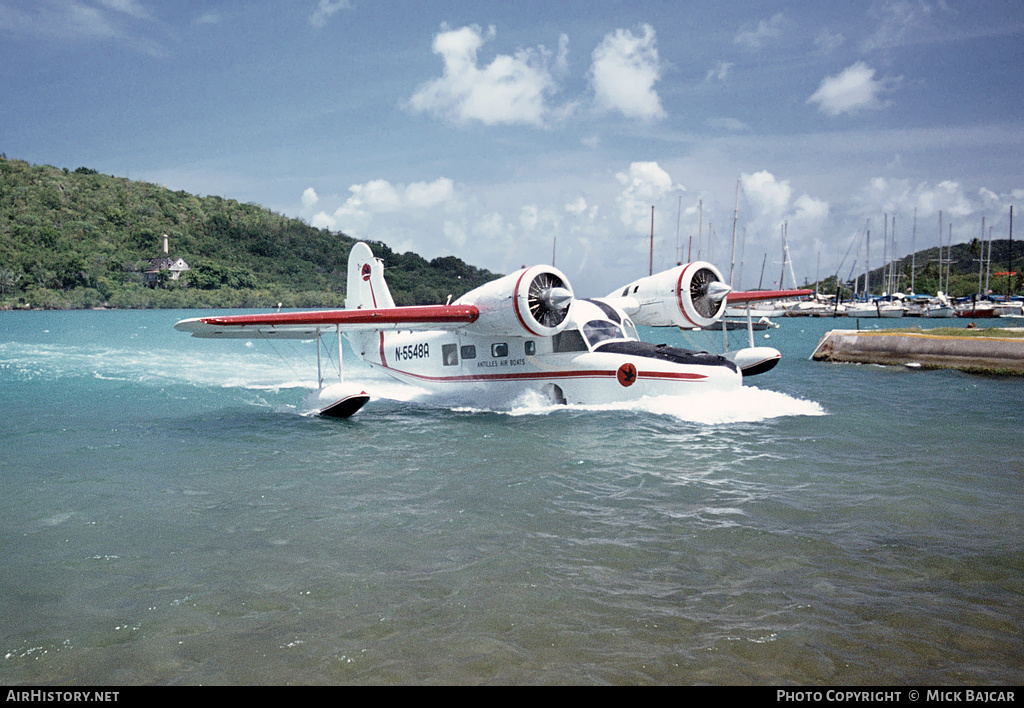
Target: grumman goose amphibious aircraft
[{"x": 520, "y": 333}]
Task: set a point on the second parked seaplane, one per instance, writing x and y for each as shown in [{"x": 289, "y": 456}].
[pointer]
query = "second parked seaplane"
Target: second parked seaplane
[{"x": 524, "y": 332}]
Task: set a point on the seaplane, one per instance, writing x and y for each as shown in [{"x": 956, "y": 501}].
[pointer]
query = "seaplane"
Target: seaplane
[{"x": 523, "y": 333}]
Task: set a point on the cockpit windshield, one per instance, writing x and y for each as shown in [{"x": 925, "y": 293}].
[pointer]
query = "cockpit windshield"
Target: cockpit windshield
[
  {"x": 630, "y": 328},
  {"x": 597, "y": 331}
]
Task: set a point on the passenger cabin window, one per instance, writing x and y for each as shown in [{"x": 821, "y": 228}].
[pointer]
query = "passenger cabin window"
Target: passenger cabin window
[
  {"x": 530, "y": 348},
  {"x": 450, "y": 354},
  {"x": 499, "y": 350},
  {"x": 569, "y": 340},
  {"x": 597, "y": 331},
  {"x": 468, "y": 351}
]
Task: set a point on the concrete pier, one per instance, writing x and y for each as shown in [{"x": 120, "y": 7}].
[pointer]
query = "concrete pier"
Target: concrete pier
[{"x": 988, "y": 353}]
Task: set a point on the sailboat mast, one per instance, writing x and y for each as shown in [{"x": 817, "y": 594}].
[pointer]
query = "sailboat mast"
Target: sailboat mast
[
  {"x": 913, "y": 251},
  {"x": 700, "y": 225},
  {"x": 895, "y": 273},
  {"x": 988, "y": 263},
  {"x": 1009, "y": 265},
  {"x": 981, "y": 257},
  {"x": 885, "y": 257},
  {"x": 949, "y": 254},
  {"x": 867, "y": 259},
  {"x": 652, "y": 243},
  {"x": 735, "y": 218},
  {"x": 782, "y": 275}
]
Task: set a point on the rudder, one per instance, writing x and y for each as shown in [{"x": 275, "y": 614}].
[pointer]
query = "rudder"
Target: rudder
[{"x": 366, "y": 287}]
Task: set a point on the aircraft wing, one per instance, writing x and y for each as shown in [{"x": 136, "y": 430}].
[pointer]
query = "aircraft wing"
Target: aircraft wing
[
  {"x": 306, "y": 325},
  {"x": 755, "y": 295}
]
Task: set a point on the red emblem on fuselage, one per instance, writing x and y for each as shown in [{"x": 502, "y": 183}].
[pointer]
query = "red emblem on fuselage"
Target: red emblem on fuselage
[{"x": 626, "y": 374}]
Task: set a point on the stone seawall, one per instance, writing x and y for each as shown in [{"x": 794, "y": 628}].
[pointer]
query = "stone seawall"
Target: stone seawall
[{"x": 999, "y": 355}]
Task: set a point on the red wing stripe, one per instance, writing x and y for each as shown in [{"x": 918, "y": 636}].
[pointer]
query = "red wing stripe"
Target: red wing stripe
[
  {"x": 755, "y": 295},
  {"x": 429, "y": 314}
]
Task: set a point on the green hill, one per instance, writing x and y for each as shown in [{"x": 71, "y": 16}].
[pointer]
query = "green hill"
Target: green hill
[
  {"x": 78, "y": 239},
  {"x": 924, "y": 271}
]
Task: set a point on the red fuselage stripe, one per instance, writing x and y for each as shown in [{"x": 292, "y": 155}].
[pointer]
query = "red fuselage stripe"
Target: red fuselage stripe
[{"x": 541, "y": 375}]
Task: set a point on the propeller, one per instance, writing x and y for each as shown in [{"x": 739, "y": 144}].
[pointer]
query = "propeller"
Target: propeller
[
  {"x": 549, "y": 299},
  {"x": 707, "y": 292}
]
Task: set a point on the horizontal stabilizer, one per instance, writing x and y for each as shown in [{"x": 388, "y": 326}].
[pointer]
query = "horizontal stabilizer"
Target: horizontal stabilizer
[
  {"x": 306, "y": 325},
  {"x": 757, "y": 295}
]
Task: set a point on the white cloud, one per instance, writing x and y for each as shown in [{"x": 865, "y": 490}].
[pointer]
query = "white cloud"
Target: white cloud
[
  {"x": 377, "y": 198},
  {"x": 898, "y": 18},
  {"x": 454, "y": 233},
  {"x": 720, "y": 72},
  {"x": 490, "y": 227},
  {"x": 71, "y": 20},
  {"x": 562, "y": 60},
  {"x": 828, "y": 42},
  {"x": 325, "y": 9},
  {"x": 808, "y": 208},
  {"x": 854, "y": 89},
  {"x": 424, "y": 195},
  {"x": 128, "y": 7},
  {"x": 624, "y": 70},
  {"x": 528, "y": 217},
  {"x": 645, "y": 185},
  {"x": 771, "y": 202},
  {"x": 576, "y": 206},
  {"x": 509, "y": 90},
  {"x": 769, "y": 210},
  {"x": 727, "y": 124},
  {"x": 766, "y": 30},
  {"x": 309, "y": 198},
  {"x": 106, "y": 20},
  {"x": 207, "y": 18},
  {"x": 903, "y": 196}
]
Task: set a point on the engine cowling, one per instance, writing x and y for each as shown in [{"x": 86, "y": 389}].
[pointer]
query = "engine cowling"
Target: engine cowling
[
  {"x": 532, "y": 302},
  {"x": 689, "y": 295}
]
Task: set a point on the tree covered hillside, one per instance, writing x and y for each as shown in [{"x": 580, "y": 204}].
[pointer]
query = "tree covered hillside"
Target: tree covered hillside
[{"x": 82, "y": 239}]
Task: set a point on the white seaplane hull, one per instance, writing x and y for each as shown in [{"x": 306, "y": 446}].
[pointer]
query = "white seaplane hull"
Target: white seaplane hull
[
  {"x": 525, "y": 333},
  {"x": 590, "y": 377}
]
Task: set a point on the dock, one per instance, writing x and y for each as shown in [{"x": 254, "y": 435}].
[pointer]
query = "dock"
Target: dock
[{"x": 986, "y": 351}]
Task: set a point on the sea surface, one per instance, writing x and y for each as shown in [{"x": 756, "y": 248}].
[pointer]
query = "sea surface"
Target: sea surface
[{"x": 168, "y": 516}]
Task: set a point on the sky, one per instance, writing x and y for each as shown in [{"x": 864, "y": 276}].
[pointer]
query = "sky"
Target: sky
[{"x": 509, "y": 134}]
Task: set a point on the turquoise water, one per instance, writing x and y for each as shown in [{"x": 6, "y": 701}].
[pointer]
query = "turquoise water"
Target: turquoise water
[{"x": 169, "y": 517}]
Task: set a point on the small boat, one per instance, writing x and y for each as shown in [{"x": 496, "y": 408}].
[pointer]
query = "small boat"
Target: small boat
[
  {"x": 1009, "y": 309},
  {"x": 976, "y": 312},
  {"x": 876, "y": 308},
  {"x": 758, "y": 326},
  {"x": 939, "y": 306},
  {"x": 890, "y": 310},
  {"x": 937, "y": 310}
]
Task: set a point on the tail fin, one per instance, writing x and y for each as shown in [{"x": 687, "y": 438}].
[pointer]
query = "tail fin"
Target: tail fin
[{"x": 366, "y": 286}]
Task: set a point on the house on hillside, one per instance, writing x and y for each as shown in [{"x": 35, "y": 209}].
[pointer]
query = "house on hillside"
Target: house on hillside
[
  {"x": 175, "y": 266},
  {"x": 151, "y": 276}
]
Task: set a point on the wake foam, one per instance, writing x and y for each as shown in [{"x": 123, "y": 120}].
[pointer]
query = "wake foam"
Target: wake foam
[
  {"x": 745, "y": 405},
  {"x": 247, "y": 370}
]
